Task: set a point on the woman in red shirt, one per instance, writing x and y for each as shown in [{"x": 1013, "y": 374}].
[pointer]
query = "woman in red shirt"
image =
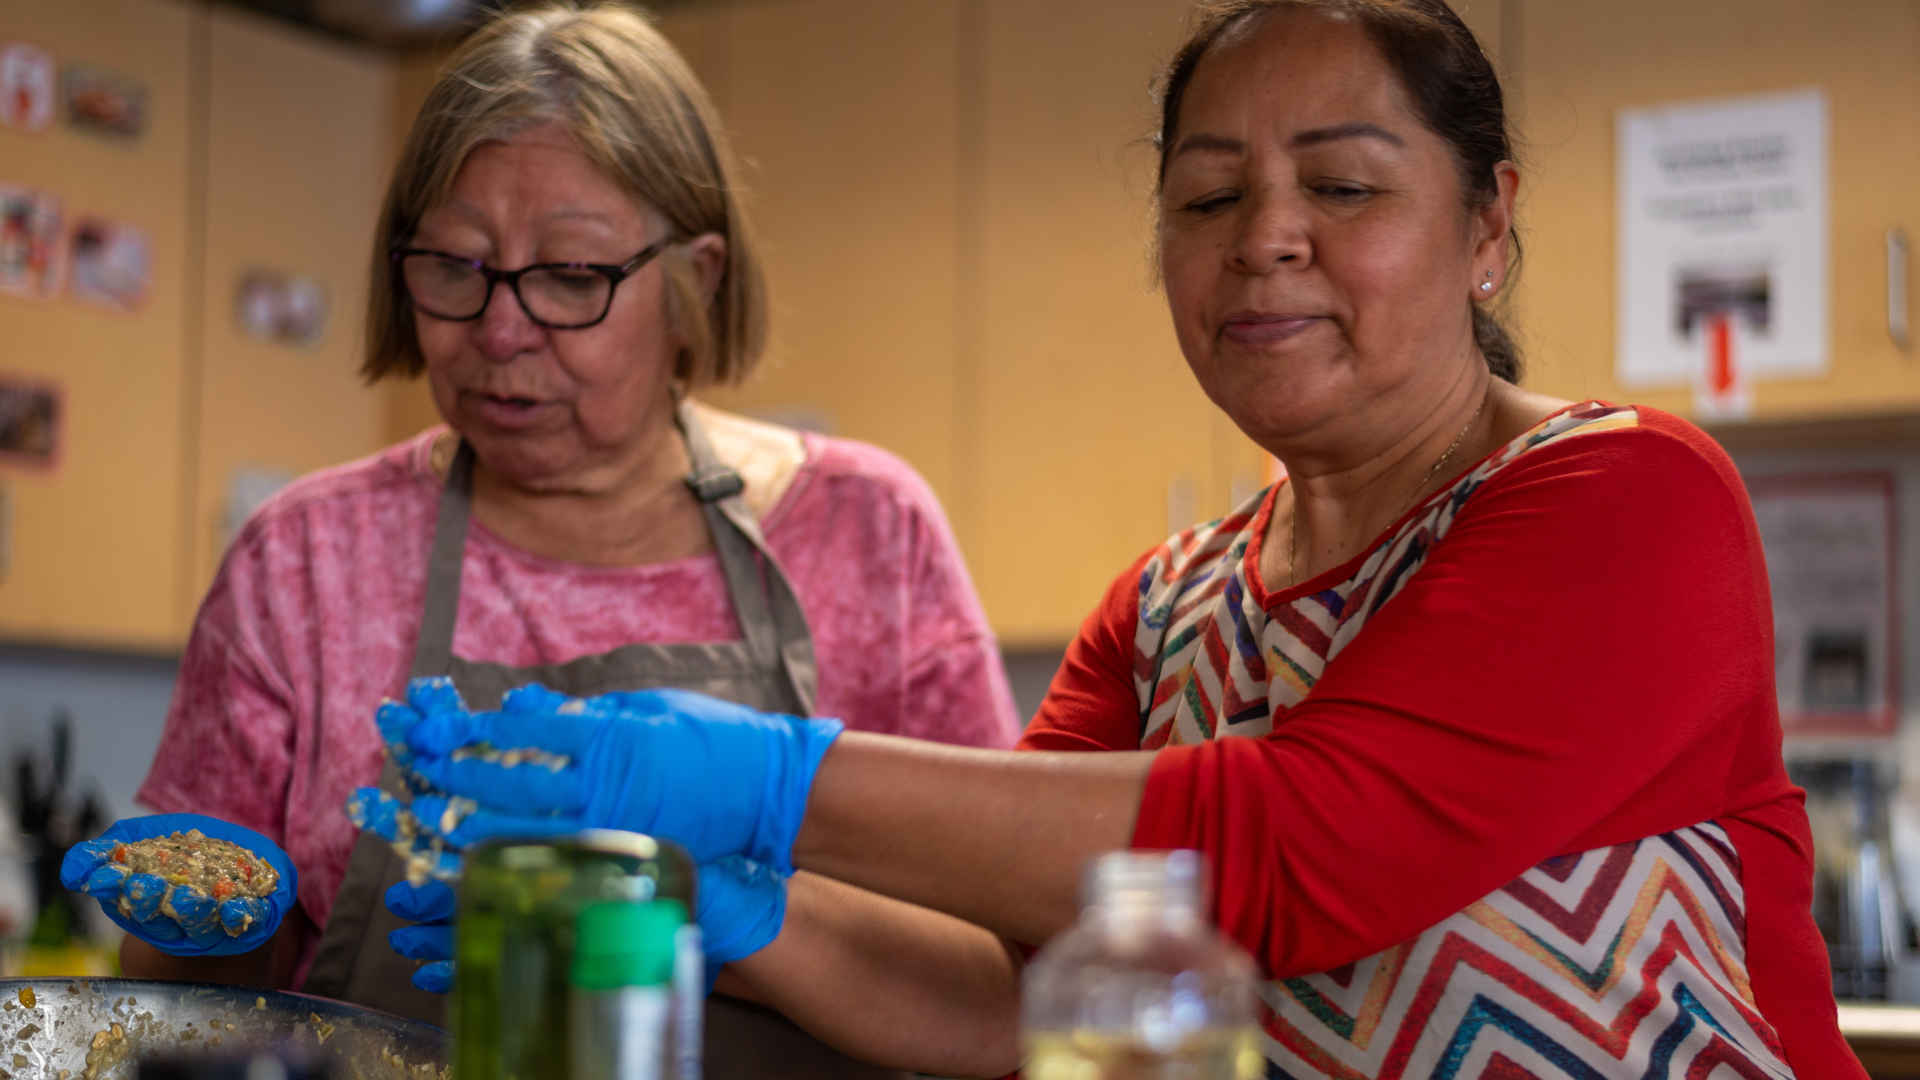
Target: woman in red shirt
[{"x": 1473, "y": 713}]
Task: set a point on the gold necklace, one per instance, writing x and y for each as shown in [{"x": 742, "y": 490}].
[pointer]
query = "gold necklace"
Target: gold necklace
[{"x": 1293, "y": 518}]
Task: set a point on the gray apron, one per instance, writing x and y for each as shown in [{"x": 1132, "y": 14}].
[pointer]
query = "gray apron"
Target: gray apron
[{"x": 771, "y": 669}]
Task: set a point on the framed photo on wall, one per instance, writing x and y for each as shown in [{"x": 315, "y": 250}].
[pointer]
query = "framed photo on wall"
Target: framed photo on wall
[{"x": 1831, "y": 551}]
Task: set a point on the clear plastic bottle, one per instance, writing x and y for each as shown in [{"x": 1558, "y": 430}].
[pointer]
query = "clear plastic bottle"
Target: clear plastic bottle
[{"x": 1142, "y": 988}]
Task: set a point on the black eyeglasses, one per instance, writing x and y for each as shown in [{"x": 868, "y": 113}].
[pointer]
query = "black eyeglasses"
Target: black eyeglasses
[{"x": 560, "y": 296}]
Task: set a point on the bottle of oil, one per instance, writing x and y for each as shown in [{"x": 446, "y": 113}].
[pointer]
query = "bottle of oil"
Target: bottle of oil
[
  {"x": 525, "y": 907},
  {"x": 1141, "y": 988}
]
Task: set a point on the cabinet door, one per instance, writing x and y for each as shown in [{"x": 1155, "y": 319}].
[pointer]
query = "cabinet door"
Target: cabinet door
[
  {"x": 297, "y": 159},
  {"x": 1579, "y": 61},
  {"x": 954, "y": 200},
  {"x": 1089, "y": 437},
  {"x": 843, "y": 112},
  {"x": 97, "y": 544}
]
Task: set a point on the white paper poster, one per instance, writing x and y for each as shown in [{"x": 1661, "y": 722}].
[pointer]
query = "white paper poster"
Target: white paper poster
[
  {"x": 26, "y": 86},
  {"x": 1830, "y": 549},
  {"x": 1722, "y": 238}
]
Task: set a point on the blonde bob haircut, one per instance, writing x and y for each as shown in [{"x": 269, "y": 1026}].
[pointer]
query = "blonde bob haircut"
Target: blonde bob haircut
[{"x": 604, "y": 74}]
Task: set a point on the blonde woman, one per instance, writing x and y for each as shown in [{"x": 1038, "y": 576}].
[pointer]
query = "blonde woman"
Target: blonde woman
[{"x": 562, "y": 254}]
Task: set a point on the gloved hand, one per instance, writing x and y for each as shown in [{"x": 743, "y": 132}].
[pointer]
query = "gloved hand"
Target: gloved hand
[
  {"x": 431, "y": 907},
  {"x": 740, "y": 906},
  {"x": 718, "y": 778},
  {"x": 200, "y": 925}
]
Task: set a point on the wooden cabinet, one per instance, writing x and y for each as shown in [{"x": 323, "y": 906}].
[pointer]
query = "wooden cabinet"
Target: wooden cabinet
[
  {"x": 98, "y": 543},
  {"x": 266, "y": 148},
  {"x": 1087, "y": 431},
  {"x": 1576, "y": 62},
  {"x": 298, "y": 153},
  {"x": 844, "y": 113},
  {"x": 954, "y": 198}
]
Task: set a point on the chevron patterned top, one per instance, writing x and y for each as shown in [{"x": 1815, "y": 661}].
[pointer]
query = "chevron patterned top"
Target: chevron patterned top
[{"x": 1622, "y": 962}]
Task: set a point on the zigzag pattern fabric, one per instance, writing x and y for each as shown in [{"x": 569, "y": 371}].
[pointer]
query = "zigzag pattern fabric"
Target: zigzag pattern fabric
[{"x": 1623, "y": 963}]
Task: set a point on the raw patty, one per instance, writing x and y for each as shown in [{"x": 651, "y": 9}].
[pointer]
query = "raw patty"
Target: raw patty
[{"x": 221, "y": 869}]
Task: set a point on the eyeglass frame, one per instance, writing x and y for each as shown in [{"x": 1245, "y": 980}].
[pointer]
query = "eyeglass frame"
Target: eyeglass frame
[{"x": 614, "y": 275}]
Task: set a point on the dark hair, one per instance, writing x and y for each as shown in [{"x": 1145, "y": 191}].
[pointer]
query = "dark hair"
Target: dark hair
[{"x": 1444, "y": 71}]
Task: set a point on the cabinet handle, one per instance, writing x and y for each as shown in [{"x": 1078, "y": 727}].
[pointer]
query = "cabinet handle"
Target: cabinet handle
[{"x": 1897, "y": 288}]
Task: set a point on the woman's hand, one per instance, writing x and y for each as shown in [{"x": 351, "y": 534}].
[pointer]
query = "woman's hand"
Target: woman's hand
[
  {"x": 740, "y": 908},
  {"x": 176, "y": 920},
  {"x": 718, "y": 778},
  {"x": 430, "y": 907}
]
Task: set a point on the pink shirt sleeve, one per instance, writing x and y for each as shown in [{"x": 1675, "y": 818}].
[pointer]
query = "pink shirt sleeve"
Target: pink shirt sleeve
[
  {"x": 875, "y": 562},
  {"x": 228, "y": 746}
]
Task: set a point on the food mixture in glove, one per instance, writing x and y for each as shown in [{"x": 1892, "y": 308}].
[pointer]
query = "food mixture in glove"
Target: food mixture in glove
[
  {"x": 192, "y": 860},
  {"x": 423, "y": 844}
]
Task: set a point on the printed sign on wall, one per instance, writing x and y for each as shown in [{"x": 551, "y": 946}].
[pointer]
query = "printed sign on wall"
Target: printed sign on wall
[
  {"x": 26, "y": 86},
  {"x": 29, "y": 422},
  {"x": 1722, "y": 233},
  {"x": 1830, "y": 550},
  {"x": 284, "y": 308},
  {"x": 32, "y": 247},
  {"x": 112, "y": 263},
  {"x": 103, "y": 102}
]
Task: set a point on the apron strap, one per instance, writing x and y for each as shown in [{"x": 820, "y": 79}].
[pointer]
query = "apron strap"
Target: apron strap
[
  {"x": 433, "y": 649},
  {"x": 770, "y": 615}
]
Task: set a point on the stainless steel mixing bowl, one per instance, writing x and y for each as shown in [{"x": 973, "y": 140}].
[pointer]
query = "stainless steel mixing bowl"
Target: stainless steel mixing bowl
[{"x": 70, "y": 1020}]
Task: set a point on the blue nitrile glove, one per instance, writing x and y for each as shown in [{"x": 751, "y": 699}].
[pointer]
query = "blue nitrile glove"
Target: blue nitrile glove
[
  {"x": 431, "y": 907},
  {"x": 199, "y": 925},
  {"x": 718, "y": 778},
  {"x": 431, "y": 904},
  {"x": 742, "y": 905},
  {"x": 425, "y": 697},
  {"x": 371, "y": 808}
]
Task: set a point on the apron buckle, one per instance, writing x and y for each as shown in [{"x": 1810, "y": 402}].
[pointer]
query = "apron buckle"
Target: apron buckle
[{"x": 716, "y": 482}]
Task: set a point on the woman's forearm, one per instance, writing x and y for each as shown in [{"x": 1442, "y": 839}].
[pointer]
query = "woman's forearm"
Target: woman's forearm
[
  {"x": 996, "y": 838},
  {"x": 889, "y": 982}
]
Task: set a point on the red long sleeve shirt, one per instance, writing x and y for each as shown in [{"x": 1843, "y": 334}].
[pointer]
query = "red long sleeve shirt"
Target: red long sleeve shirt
[{"x": 1584, "y": 659}]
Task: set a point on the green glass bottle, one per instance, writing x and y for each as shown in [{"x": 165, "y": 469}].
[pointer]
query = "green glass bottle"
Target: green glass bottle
[{"x": 521, "y": 909}]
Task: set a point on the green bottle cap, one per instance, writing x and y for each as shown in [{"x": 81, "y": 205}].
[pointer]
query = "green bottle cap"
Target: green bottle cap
[{"x": 622, "y": 944}]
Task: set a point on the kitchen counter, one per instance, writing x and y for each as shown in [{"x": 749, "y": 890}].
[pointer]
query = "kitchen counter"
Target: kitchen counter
[{"x": 1885, "y": 1037}]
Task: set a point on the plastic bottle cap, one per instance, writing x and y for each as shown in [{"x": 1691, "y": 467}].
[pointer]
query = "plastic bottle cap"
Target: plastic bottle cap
[{"x": 618, "y": 944}]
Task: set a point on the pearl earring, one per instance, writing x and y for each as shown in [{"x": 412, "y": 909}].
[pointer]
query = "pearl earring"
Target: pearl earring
[{"x": 1487, "y": 286}]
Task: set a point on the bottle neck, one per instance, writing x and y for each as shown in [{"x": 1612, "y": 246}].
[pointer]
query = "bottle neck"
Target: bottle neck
[{"x": 1144, "y": 889}]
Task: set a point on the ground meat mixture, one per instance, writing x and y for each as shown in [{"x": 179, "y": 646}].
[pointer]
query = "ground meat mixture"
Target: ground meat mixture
[{"x": 216, "y": 867}]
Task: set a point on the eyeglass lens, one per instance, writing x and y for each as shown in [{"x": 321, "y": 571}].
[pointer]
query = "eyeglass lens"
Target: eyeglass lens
[{"x": 454, "y": 289}]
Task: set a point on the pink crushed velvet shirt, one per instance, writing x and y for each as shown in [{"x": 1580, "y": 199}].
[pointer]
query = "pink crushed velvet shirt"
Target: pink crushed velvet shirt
[{"x": 312, "y": 619}]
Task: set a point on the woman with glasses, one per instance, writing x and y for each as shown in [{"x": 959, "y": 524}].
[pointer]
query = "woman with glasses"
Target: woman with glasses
[{"x": 562, "y": 255}]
